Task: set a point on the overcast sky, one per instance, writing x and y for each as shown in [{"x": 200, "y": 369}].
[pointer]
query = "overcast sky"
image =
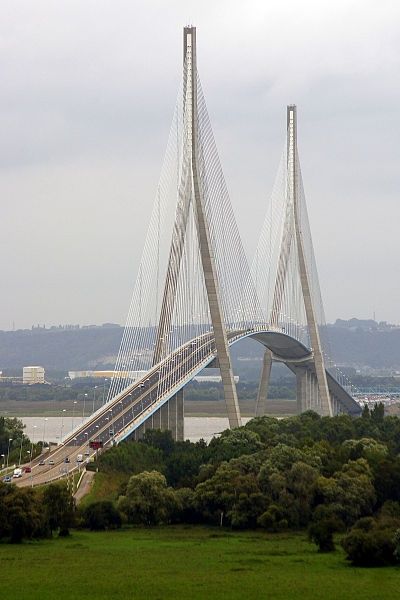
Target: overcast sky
[{"x": 88, "y": 89}]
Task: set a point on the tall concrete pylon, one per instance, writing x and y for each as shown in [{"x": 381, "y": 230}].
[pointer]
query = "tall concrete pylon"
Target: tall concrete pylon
[
  {"x": 293, "y": 171},
  {"x": 191, "y": 190},
  {"x": 292, "y": 232}
]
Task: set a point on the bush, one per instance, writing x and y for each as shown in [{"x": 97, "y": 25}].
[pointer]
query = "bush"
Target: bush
[
  {"x": 321, "y": 533},
  {"x": 373, "y": 548},
  {"x": 101, "y": 515},
  {"x": 273, "y": 519}
]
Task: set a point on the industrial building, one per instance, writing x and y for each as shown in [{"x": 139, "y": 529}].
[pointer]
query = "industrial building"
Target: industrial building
[{"x": 31, "y": 375}]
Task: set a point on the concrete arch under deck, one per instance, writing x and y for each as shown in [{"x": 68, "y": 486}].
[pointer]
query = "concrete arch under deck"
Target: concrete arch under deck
[
  {"x": 284, "y": 348},
  {"x": 129, "y": 410}
]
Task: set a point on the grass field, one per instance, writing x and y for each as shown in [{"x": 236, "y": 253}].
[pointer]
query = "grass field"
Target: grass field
[
  {"x": 197, "y": 408},
  {"x": 186, "y": 562},
  {"x": 106, "y": 486}
]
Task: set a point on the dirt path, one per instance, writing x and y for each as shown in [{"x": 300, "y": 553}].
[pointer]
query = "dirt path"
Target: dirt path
[{"x": 85, "y": 486}]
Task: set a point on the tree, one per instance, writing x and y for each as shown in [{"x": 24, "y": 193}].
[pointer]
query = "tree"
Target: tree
[
  {"x": 374, "y": 548},
  {"x": 162, "y": 440},
  {"x": 230, "y": 496},
  {"x": 20, "y": 514},
  {"x": 233, "y": 443},
  {"x": 351, "y": 488},
  {"x": 321, "y": 533},
  {"x": 132, "y": 458},
  {"x": 59, "y": 507},
  {"x": 273, "y": 519},
  {"x": 148, "y": 500},
  {"x": 378, "y": 412}
]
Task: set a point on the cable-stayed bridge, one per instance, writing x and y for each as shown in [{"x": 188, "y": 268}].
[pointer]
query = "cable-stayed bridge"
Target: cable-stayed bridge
[{"x": 196, "y": 295}]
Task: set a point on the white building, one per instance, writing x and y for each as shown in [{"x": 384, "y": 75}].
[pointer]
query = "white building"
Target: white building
[{"x": 32, "y": 375}]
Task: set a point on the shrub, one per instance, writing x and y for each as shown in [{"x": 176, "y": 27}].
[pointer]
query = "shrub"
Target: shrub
[
  {"x": 321, "y": 533},
  {"x": 374, "y": 548},
  {"x": 101, "y": 515}
]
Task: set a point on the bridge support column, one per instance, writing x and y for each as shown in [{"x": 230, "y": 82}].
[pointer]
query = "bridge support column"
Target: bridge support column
[
  {"x": 157, "y": 420},
  {"x": 301, "y": 390},
  {"x": 164, "y": 416},
  {"x": 169, "y": 417},
  {"x": 180, "y": 416},
  {"x": 261, "y": 401},
  {"x": 172, "y": 416},
  {"x": 176, "y": 416}
]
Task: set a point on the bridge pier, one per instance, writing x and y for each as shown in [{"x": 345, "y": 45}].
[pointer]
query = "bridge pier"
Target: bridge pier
[
  {"x": 301, "y": 390},
  {"x": 171, "y": 416},
  {"x": 261, "y": 401}
]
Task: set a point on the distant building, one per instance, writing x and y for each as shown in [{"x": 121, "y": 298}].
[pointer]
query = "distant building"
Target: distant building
[{"x": 31, "y": 375}]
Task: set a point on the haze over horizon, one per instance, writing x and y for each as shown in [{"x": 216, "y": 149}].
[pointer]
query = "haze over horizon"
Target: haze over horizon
[{"x": 88, "y": 91}]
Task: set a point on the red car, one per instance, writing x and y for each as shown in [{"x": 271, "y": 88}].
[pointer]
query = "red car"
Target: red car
[{"x": 28, "y": 470}]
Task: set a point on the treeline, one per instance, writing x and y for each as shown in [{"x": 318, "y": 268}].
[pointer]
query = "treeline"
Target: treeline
[
  {"x": 14, "y": 444},
  {"x": 79, "y": 391},
  {"x": 27, "y": 513},
  {"x": 319, "y": 474},
  {"x": 283, "y": 388},
  {"x": 88, "y": 388},
  {"x": 325, "y": 475}
]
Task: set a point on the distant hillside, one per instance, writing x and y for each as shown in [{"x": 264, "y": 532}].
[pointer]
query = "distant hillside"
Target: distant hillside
[
  {"x": 353, "y": 343},
  {"x": 60, "y": 350}
]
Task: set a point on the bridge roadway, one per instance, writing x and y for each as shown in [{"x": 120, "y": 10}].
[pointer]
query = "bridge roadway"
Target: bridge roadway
[{"x": 117, "y": 419}]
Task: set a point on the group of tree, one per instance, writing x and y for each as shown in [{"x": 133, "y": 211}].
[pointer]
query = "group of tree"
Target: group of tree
[
  {"x": 27, "y": 513},
  {"x": 13, "y": 441},
  {"x": 325, "y": 475}
]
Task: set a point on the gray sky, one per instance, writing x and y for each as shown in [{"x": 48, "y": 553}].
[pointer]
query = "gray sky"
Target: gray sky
[{"x": 87, "y": 95}]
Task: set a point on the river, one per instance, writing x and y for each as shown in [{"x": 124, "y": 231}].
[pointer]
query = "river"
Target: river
[{"x": 51, "y": 429}]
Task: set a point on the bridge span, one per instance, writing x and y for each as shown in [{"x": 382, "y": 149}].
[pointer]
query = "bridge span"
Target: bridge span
[{"x": 156, "y": 400}]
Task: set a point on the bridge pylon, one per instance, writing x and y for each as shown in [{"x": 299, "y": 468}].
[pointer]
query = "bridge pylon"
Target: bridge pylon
[
  {"x": 191, "y": 192},
  {"x": 296, "y": 286}
]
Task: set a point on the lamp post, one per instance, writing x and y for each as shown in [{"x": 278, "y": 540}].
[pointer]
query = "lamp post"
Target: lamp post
[
  {"x": 8, "y": 450},
  {"x": 62, "y": 423},
  {"x": 20, "y": 450},
  {"x": 84, "y": 406},
  {"x": 94, "y": 398},
  {"x": 123, "y": 416},
  {"x": 32, "y": 445},
  {"x": 44, "y": 429},
  {"x": 73, "y": 414},
  {"x": 104, "y": 390}
]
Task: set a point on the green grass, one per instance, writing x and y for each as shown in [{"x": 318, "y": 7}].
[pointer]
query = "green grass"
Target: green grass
[
  {"x": 106, "y": 486},
  {"x": 186, "y": 562}
]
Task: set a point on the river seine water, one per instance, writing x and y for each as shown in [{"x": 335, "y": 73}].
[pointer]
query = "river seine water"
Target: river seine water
[{"x": 51, "y": 429}]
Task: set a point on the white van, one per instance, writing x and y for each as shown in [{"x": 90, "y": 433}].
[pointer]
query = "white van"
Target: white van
[
  {"x": 79, "y": 458},
  {"x": 17, "y": 473}
]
